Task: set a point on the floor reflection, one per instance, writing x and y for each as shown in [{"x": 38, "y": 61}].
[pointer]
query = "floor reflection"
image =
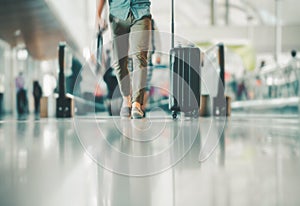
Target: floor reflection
[{"x": 211, "y": 161}]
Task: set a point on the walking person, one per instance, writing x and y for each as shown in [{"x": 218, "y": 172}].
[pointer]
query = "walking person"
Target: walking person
[
  {"x": 130, "y": 22},
  {"x": 293, "y": 73},
  {"x": 37, "y": 94},
  {"x": 22, "y": 103},
  {"x": 2, "y": 89}
]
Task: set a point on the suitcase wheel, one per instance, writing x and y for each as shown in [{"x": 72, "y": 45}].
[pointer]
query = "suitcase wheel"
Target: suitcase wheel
[
  {"x": 196, "y": 114},
  {"x": 174, "y": 115}
]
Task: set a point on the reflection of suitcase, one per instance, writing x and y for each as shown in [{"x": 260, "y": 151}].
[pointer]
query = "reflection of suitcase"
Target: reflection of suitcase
[{"x": 185, "y": 81}]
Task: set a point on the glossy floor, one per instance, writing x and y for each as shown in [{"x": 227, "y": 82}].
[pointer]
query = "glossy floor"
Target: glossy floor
[{"x": 155, "y": 161}]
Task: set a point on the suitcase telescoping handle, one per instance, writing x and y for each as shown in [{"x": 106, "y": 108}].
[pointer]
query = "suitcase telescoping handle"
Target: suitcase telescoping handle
[
  {"x": 172, "y": 24},
  {"x": 61, "y": 75},
  {"x": 221, "y": 85},
  {"x": 99, "y": 41}
]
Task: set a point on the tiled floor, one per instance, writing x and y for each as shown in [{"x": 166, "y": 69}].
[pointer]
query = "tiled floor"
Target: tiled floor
[{"x": 155, "y": 161}]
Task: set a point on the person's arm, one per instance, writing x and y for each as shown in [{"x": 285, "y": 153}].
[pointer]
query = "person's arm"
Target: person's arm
[
  {"x": 100, "y": 21},
  {"x": 100, "y": 8}
]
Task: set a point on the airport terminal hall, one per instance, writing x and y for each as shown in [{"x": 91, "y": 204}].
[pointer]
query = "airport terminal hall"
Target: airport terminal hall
[{"x": 149, "y": 103}]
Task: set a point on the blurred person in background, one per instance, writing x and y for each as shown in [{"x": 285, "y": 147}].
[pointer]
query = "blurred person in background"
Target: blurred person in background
[
  {"x": 2, "y": 89},
  {"x": 22, "y": 102},
  {"x": 113, "y": 91},
  {"x": 242, "y": 92},
  {"x": 293, "y": 74},
  {"x": 37, "y": 95},
  {"x": 75, "y": 78}
]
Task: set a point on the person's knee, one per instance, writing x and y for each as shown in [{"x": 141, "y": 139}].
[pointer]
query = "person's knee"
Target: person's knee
[{"x": 141, "y": 58}]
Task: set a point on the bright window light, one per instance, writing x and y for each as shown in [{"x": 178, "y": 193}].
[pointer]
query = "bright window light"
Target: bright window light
[{"x": 86, "y": 53}]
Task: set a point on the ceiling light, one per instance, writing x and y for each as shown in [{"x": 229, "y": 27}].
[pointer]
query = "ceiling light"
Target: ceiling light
[{"x": 22, "y": 54}]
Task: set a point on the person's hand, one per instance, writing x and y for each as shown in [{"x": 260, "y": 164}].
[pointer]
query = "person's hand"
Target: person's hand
[{"x": 101, "y": 24}]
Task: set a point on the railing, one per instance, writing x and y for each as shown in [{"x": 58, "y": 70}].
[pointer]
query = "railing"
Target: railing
[{"x": 270, "y": 82}]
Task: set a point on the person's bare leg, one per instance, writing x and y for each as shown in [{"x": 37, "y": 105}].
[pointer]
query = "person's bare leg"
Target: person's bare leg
[
  {"x": 137, "y": 111},
  {"x": 126, "y": 101},
  {"x": 145, "y": 101}
]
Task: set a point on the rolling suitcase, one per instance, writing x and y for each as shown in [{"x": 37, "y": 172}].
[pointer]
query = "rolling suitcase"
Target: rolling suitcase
[
  {"x": 184, "y": 79},
  {"x": 64, "y": 104}
]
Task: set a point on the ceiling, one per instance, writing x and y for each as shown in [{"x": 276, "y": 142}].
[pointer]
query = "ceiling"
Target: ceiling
[{"x": 31, "y": 23}]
